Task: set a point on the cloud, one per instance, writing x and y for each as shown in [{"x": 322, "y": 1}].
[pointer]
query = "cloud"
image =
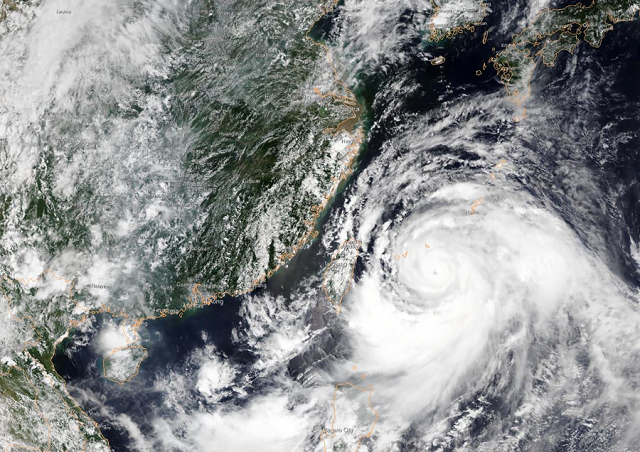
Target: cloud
[
  {"x": 214, "y": 376},
  {"x": 268, "y": 424},
  {"x": 109, "y": 338}
]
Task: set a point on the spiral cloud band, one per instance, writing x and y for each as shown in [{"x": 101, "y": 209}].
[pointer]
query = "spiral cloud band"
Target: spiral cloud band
[{"x": 451, "y": 302}]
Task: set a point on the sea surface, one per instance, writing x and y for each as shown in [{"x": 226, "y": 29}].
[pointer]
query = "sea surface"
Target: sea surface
[{"x": 606, "y": 149}]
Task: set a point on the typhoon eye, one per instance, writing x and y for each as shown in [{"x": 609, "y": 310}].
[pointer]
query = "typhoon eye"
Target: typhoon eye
[{"x": 319, "y": 225}]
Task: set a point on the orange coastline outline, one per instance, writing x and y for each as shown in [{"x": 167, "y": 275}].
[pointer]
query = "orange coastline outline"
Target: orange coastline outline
[
  {"x": 477, "y": 203},
  {"x": 505, "y": 71},
  {"x": 116, "y": 350},
  {"x": 199, "y": 300},
  {"x": 33, "y": 325},
  {"x": 437, "y": 36},
  {"x": 369, "y": 389},
  {"x": 338, "y": 304},
  {"x": 36, "y": 392}
]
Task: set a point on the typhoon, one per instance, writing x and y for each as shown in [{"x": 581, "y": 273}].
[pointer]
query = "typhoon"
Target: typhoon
[
  {"x": 487, "y": 327},
  {"x": 366, "y": 226}
]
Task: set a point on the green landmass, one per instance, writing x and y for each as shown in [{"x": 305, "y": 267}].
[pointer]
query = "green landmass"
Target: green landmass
[{"x": 554, "y": 31}]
